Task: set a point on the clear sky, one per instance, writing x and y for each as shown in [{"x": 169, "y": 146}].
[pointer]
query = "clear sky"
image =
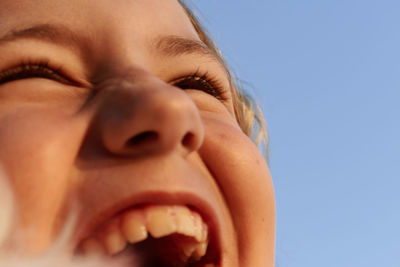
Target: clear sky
[{"x": 327, "y": 74}]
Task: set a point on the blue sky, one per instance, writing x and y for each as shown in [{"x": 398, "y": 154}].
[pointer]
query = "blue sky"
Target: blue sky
[{"x": 327, "y": 75}]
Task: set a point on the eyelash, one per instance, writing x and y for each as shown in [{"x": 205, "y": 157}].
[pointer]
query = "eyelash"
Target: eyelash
[
  {"x": 32, "y": 69},
  {"x": 42, "y": 69},
  {"x": 204, "y": 82}
]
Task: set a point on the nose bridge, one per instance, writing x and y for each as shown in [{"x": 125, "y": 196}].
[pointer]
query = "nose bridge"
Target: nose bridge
[{"x": 146, "y": 116}]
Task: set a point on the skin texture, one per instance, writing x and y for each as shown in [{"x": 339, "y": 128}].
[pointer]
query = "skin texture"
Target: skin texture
[{"x": 79, "y": 144}]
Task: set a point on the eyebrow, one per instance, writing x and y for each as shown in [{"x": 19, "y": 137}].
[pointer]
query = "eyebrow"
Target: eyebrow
[
  {"x": 56, "y": 34},
  {"x": 169, "y": 45},
  {"x": 174, "y": 46}
]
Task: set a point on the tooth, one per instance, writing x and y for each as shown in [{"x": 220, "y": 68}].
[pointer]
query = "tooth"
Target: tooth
[
  {"x": 92, "y": 246},
  {"x": 114, "y": 241},
  {"x": 183, "y": 257},
  {"x": 133, "y": 227},
  {"x": 198, "y": 227},
  {"x": 184, "y": 221},
  {"x": 200, "y": 251},
  {"x": 159, "y": 221},
  {"x": 204, "y": 232},
  {"x": 187, "y": 251}
]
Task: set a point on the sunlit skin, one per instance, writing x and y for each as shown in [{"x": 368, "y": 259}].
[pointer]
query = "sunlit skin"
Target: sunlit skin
[{"x": 78, "y": 143}]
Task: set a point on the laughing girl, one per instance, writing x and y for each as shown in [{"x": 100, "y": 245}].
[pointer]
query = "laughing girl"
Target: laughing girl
[{"x": 124, "y": 114}]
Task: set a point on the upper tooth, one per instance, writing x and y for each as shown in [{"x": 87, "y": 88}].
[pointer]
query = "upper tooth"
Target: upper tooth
[
  {"x": 193, "y": 251},
  {"x": 92, "y": 246},
  {"x": 185, "y": 221},
  {"x": 133, "y": 226},
  {"x": 204, "y": 232},
  {"x": 114, "y": 241},
  {"x": 200, "y": 251},
  {"x": 200, "y": 227},
  {"x": 187, "y": 250},
  {"x": 160, "y": 221}
]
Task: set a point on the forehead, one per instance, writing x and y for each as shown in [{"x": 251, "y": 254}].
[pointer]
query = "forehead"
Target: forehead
[{"x": 108, "y": 18}]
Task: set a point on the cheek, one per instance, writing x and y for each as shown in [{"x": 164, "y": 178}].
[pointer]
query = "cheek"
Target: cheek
[
  {"x": 245, "y": 182},
  {"x": 38, "y": 150}
]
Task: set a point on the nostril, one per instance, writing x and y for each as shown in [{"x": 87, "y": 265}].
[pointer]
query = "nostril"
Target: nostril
[
  {"x": 188, "y": 139},
  {"x": 142, "y": 139}
]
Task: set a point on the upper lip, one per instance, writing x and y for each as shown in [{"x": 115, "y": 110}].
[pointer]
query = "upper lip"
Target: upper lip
[{"x": 193, "y": 201}]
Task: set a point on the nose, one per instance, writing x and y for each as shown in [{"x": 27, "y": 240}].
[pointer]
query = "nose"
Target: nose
[{"x": 148, "y": 116}]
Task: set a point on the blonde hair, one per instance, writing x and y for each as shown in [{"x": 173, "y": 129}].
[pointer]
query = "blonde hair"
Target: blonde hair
[{"x": 248, "y": 113}]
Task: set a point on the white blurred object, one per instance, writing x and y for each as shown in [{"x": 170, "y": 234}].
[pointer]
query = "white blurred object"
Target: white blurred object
[
  {"x": 57, "y": 255},
  {"x": 6, "y": 207}
]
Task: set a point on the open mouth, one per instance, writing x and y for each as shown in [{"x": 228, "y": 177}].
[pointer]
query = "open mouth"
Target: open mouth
[{"x": 156, "y": 235}]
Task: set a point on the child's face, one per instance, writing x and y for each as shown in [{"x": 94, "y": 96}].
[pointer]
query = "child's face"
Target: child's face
[{"x": 107, "y": 126}]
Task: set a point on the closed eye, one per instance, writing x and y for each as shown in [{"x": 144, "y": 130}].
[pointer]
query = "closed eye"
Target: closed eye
[
  {"x": 202, "y": 82},
  {"x": 27, "y": 70}
]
